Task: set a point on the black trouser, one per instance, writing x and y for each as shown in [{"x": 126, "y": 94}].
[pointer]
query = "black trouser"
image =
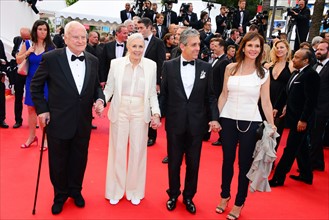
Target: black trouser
[
  {"x": 19, "y": 91},
  {"x": 296, "y": 147},
  {"x": 67, "y": 164},
  {"x": 317, "y": 134},
  {"x": 177, "y": 146},
  {"x": 280, "y": 124},
  {"x": 230, "y": 137},
  {"x": 2, "y": 101}
]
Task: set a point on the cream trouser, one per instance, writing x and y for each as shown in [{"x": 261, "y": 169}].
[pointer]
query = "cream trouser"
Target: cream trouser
[{"x": 131, "y": 127}]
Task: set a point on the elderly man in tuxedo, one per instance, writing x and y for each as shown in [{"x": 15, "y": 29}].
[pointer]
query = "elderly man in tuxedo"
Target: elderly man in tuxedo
[
  {"x": 301, "y": 97},
  {"x": 187, "y": 90},
  {"x": 321, "y": 111},
  {"x": 72, "y": 78}
]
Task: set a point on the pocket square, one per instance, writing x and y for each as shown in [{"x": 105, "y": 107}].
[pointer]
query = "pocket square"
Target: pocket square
[
  {"x": 203, "y": 74},
  {"x": 296, "y": 82}
]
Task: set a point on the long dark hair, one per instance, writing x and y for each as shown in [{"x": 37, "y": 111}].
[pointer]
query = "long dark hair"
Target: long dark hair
[
  {"x": 240, "y": 54},
  {"x": 34, "y": 34}
]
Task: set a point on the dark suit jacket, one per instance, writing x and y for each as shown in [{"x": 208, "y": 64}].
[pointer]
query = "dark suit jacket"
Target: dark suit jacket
[
  {"x": 237, "y": 17},
  {"x": 218, "y": 74},
  {"x": 302, "y": 23},
  {"x": 58, "y": 41},
  {"x": 185, "y": 114},
  {"x": 70, "y": 112},
  {"x": 108, "y": 54},
  {"x": 164, "y": 30},
  {"x": 173, "y": 18},
  {"x": 156, "y": 51},
  {"x": 17, "y": 43},
  {"x": 219, "y": 21},
  {"x": 193, "y": 21},
  {"x": 302, "y": 96},
  {"x": 323, "y": 98},
  {"x": 123, "y": 15}
]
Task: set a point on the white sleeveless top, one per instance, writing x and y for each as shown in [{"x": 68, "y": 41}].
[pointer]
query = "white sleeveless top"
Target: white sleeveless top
[{"x": 243, "y": 96}]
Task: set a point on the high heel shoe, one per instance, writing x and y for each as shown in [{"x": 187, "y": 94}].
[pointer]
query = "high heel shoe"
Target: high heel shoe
[
  {"x": 35, "y": 139},
  {"x": 222, "y": 205},
  {"x": 234, "y": 216}
]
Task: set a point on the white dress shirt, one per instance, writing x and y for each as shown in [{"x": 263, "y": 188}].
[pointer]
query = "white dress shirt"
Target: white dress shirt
[
  {"x": 319, "y": 68},
  {"x": 188, "y": 76},
  {"x": 119, "y": 50},
  {"x": 78, "y": 69}
]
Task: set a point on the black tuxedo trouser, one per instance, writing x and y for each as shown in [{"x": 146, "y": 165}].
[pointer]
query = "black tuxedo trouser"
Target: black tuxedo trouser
[
  {"x": 297, "y": 147},
  {"x": 317, "y": 134},
  {"x": 231, "y": 136},
  {"x": 19, "y": 91},
  {"x": 2, "y": 102},
  {"x": 67, "y": 164},
  {"x": 177, "y": 146}
]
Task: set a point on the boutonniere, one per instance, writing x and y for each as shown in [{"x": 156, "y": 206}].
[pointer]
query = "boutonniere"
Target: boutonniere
[{"x": 203, "y": 74}]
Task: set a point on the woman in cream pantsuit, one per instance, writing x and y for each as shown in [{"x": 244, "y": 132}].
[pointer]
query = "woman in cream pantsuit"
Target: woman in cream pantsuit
[{"x": 132, "y": 82}]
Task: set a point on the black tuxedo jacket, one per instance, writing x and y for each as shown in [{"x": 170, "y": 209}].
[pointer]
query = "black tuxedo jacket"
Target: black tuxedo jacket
[
  {"x": 192, "y": 21},
  {"x": 302, "y": 96},
  {"x": 164, "y": 30},
  {"x": 123, "y": 15},
  {"x": 70, "y": 112},
  {"x": 323, "y": 98},
  {"x": 108, "y": 54},
  {"x": 17, "y": 43},
  {"x": 173, "y": 18},
  {"x": 188, "y": 114},
  {"x": 237, "y": 17},
  {"x": 156, "y": 51},
  {"x": 219, "y": 21},
  {"x": 218, "y": 74},
  {"x": 302, "y": 23}
]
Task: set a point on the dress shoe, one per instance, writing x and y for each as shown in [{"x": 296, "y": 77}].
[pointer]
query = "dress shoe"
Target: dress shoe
[
  {"x": 3, "y": 124},
  {"x": 318, "y": 168},
  {"x": 165, "y": 160},
  {"x": 302, "y": 179},
  {"x": 57, "y": 208},
  {"x": 79, "y": 201},
  {"x": 171, "y": 204},
  {"x": 93, "y": 127},
  {"x": 150, "y": 142},
  {"x": 275, "y": 182},
  {"x": 135, "y": 201},
  {"x": 217, "y": 143},
  {"x": 190, "y": 207},
  {"x": 17, "y": 125}
]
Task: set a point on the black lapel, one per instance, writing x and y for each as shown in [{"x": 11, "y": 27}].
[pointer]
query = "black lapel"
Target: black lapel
[
  {"x": 198, "y": 70},
  {"x": 64, "y": 64},
  {"x": 88, "y": 72},
  {"x": 151, "y": 43},
  {"x": 177, "y": 74}
]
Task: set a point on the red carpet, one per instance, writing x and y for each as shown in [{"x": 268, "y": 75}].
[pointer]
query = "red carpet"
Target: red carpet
[{"x": 19, "y": 167}]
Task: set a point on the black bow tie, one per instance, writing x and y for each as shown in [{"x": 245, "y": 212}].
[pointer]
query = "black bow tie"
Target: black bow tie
[
  {"x": 188, "y": 62},
  {"x": 146, "y": 39},
  {"x": 320, "y": 64},
  {"x": 81, "y": 58},
  {"x": 119, "y": 45}
]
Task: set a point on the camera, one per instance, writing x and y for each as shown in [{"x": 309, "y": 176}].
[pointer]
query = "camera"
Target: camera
[
  {"x": 170, "y": 1},
  {"x": 206, "y": 51},
  {"x": 262, "y": 15},
  {"x": 290, "y": 11},
  {"x": 3, "y": 67}
]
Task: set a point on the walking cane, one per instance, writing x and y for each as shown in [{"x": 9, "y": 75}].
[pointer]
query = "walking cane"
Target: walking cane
[{"x": 40, "y": 162}]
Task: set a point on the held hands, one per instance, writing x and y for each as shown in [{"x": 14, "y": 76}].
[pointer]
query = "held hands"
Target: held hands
[
  {"x": 301, "y": 126},
  {"x": 99, "y": 107},
  {"x": 44, "y": 119},
  {"x": 214, "y": 126},
  {"x": 155, "y": 121}
]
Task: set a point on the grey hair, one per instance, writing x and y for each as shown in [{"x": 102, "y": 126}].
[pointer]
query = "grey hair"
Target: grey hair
[
  {"x": 187, "y": 34},
  {"x": 134, "y": 37},
  {"x": 127, "y": 22},
  {"x": 316, "y": 40},
  {"x": 71, "y": 24}
]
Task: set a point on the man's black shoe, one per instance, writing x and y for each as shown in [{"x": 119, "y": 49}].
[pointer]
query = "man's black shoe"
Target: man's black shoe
[
  {"x": 217, "y": 143},
  {"x": 93, "y": 127},
  {"x": 275, "y": 182},
  {"x": 165, "y": 160},
  {"x": 150, "y": 142},
  {"x": 79, "y": 200},
  {"x": 57, "y": 208},
  {"x": 190, "y": 207},
  {"x": 318, "y": 168},
  {"x": 3, "y": 124},
  {"x": 302, "y": 179},
  {"x": 171, "y": 204},
  {"x": 17, "y": 125}
]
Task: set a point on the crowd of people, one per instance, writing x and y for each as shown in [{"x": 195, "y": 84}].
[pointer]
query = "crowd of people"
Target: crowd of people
[{"x": 171, "y": 65}]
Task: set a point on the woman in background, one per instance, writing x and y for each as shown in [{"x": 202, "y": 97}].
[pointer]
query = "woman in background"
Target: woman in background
[{"x": 41, "y": 43}]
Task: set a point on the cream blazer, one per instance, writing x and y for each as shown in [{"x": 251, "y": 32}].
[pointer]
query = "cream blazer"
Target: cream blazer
[{"x": 114, "y": 87}]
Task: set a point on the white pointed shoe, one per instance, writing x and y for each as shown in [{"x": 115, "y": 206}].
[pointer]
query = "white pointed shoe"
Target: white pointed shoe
[
  {"x": 114, "y": 201},
  {"x": 135, "y": 201}
]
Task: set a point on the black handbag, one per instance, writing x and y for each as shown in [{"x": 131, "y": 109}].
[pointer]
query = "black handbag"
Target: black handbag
[{"x": 260, "y": 130}]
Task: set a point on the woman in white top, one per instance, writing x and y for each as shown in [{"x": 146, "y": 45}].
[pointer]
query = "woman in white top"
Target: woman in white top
[
  {"x": 244, "y": 83},
  {"x": 132, "y": 82}
]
